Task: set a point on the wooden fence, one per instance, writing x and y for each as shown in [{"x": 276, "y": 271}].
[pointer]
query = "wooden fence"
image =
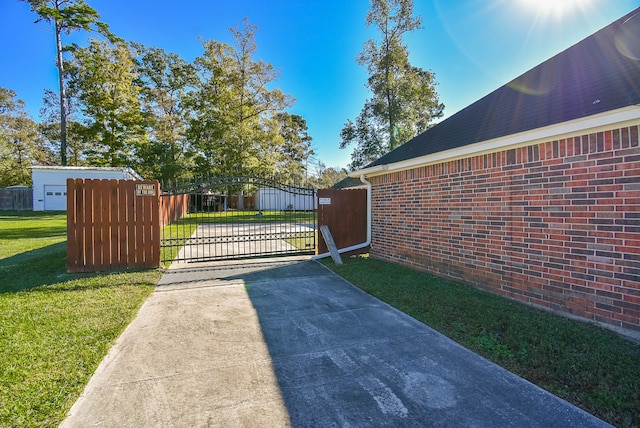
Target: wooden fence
[
  {"x": 112, "y": 225},
  {"x": 16, "y": 198},
  {"x": 345, "y": 212},
  {"x": 116, "y": 224},
  {"x": 173, "y": 207}
]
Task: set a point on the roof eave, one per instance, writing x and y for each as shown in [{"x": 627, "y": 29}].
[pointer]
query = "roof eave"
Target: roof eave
[
  {"x": 370, "y": 171},
  {"x": 586, "y": 125}
]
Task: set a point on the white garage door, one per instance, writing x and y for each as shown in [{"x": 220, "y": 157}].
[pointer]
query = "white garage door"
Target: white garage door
[{"x": 55, "y": 197}]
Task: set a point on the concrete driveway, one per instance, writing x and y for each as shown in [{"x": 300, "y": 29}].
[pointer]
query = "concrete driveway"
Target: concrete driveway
[
  {"x": 285, "y": 342},
  {"x": 209, "y": 241}
]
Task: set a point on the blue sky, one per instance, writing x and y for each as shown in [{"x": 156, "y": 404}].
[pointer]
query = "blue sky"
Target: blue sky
[{"x": 473, "y": 46}]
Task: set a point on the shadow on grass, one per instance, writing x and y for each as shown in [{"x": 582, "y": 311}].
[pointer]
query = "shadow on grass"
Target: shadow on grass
[
  {"x": 47, "y": 267},
  {"x": 34, "y": 232},
  {"x": 41, "y": 224},
  {"x": 9, "y": 215},
  {"x": 33, "y": 268}
]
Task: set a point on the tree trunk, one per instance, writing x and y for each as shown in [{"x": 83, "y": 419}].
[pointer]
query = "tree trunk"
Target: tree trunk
[{"x": 63, "y": 98}]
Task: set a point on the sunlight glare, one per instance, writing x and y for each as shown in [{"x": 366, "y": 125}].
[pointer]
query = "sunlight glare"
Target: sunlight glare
[{"x": 555, "y": 8}]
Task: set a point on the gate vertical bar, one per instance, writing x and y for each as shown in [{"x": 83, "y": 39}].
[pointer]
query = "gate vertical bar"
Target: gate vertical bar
[{"x": 245, "y": 217}]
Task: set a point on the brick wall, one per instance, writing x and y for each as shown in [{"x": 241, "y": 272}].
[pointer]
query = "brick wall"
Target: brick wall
[{"x": 554, "y": 224}]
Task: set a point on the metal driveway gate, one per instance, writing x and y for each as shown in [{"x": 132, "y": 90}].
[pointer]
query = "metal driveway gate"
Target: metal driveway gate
[{"x": 238, "y": 217}]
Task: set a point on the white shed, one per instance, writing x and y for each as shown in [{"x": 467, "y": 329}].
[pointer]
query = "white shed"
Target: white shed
[
  {"x": 50, "y": 182},
  {"x": 272, "y": 199}
]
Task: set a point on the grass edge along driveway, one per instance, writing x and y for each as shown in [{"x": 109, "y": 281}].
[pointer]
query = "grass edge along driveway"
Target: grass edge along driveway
[
  {"x": 587, "y": 365},
  {"x": 55, "y": 328}
]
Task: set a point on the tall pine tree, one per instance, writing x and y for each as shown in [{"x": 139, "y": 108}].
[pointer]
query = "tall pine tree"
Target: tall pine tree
[
  {"x": 404, "y": 100},
  {"x": 67, "y": 16}
]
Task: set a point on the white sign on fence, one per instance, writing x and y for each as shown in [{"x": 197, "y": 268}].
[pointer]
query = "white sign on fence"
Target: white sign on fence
[
  {"x": 325, "y": 201},
  {"x": 146, "y": 190}
]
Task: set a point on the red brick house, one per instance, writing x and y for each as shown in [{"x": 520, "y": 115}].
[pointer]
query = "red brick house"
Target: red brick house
[{"x": 532, "y": 192}]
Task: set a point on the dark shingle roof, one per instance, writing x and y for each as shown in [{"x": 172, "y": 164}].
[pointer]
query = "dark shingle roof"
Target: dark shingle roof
[
  {"x": 598, "y": 74},
  {"x": 347, "y": 182}
]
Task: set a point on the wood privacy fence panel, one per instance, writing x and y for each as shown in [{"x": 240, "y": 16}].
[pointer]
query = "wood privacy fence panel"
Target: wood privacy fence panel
[
  {"x": 16, "y": 198},
  {"x": 345, "y": 212},
  {"x": 173, "y": 207},
  {"x": 249, "y": 202},
  {"x": 112, "y": 225}
]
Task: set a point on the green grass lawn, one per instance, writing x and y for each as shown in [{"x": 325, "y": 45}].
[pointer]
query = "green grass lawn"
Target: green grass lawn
[
  {"x": 303, "y": 240},
  {"x": 589, "y": 366},
  {"x": 55, "y": 328},
  {"x": 247, "y": 216}
]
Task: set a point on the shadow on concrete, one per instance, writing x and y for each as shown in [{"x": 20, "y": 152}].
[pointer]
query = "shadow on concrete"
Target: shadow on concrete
[{"x": 344, "y": 358}]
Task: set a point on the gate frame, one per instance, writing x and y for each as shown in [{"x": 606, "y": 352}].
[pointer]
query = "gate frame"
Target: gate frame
[{"x": 200, "y": 188}]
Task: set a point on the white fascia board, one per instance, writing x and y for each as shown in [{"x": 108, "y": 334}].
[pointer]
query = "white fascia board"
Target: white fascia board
[
  {"x": 358, "y": 187},
  {"x": 369, "y": 172},
  {"x": 627, "y": 116}
]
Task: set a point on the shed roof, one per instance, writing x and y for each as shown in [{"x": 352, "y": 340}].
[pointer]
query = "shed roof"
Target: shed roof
[
  {"x": 598, "y": 74},
  {"x": 348, "y": 183},
  {"x": 80, "y": 169}
]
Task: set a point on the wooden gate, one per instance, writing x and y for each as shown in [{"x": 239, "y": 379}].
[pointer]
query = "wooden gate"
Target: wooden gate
[
  {"x": 112, "y": 225},
  {"x": 345, "y": 212}
]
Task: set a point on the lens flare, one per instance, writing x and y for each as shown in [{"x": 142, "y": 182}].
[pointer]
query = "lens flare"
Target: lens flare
[
  {"x": 628, "y": 38},
  {"x": 554, "y": 8}
]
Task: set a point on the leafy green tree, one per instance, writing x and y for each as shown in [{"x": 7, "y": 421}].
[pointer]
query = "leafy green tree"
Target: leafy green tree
[
  {"x": 404, "y": 100},
  {"x": 233, "y": 125},
  {"x": 165, "y": 80},
  {"x": 8, "y": 103},
  {"x": 50, "y": 128},
  {"x": 20, "y": 142},
  {"x": 295, "y": 149},
  {"x": 104, "y": 80},
  {"x": 327, "y": 177},
  {"x": 67, "y": 16}
]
